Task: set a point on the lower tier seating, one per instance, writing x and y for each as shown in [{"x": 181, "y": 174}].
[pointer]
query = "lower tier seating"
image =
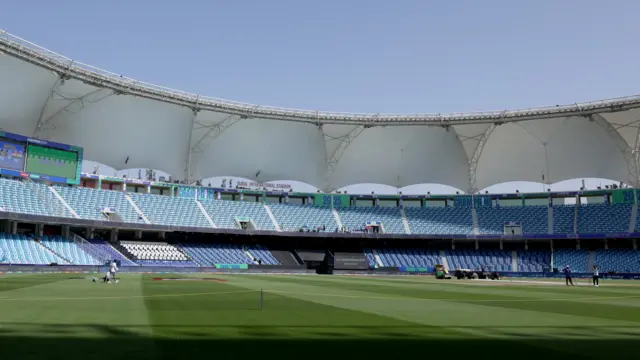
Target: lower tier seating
[
  {"x": 20, "y": 249},
  {"x": 69, "y": 250},
  {"x": 156, "y": 254}
]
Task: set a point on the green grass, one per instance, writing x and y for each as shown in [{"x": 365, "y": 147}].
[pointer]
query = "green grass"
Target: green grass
[{"x": 313, "y": 317}]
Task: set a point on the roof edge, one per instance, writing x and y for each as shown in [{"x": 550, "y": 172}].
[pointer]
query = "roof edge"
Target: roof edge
[{"x": 68, "y": 68}]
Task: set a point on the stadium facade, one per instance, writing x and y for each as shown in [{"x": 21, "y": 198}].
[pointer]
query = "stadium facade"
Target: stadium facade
[
  {"x": 53, "y": 101},
  {"x": 113, "y": 118}
]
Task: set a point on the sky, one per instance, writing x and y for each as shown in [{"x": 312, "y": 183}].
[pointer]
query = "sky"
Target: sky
[{"x": 371, "y": 56}]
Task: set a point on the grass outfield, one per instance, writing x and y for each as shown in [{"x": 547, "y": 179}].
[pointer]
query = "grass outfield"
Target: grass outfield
[{"x": 313, "y": 317}]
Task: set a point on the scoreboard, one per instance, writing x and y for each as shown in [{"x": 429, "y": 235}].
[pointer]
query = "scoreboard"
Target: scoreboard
[{"x": 39, "y": 159}]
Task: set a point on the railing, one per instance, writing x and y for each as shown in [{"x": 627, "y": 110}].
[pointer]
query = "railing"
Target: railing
[
  {"x": 48, "y": 199},
  {"x": 94, "y": 251}
]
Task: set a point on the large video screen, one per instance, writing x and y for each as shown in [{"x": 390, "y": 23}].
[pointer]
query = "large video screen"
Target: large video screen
[
  {"x": 52, "y": 162},
  {"x": 11, "y": 155}
]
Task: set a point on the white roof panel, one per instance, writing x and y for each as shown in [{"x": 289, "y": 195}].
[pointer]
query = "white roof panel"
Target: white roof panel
[{"x": 197, "y": 137}]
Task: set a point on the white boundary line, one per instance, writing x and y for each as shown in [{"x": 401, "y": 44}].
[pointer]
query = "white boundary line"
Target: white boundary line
[
  {"x": 130, "y": 297},
  {"x": 452, "y": 300}
]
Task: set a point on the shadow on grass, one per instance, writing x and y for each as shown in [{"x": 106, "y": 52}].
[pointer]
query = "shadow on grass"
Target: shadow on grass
[{"x": 18, "y": 341}]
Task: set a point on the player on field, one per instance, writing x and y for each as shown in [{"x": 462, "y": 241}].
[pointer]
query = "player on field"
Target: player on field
[
  {"x": 596, "y": 276},
  {"x": 567, "y": 275},
  {"x": 113, "y": 270}
]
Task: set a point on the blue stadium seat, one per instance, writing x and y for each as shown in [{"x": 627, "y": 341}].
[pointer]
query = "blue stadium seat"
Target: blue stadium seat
[
  {"x": 409, "y": 257},
  {"x": 371, "y": 259},
  {"x": 212, "y": 254},
  {"x": 440, "y": 220},
  {"x": 578, "y": 260},
  {"x": 295, "y": 217},
  {"x": 262, "y": 253},
  {"x": 89, "y": 203},
  {"x": 20, "y": 249},
  {"x": 69, "y": 250},
  {"x": 225, "y": 212},
  {"x": 174, "y": 211},
  {"x": 563, "y": 216},
  {"x": 113, "y": 253},
  {"x": 497, "y": 260},
  {"x": 30, "y": 198},
  {"x": 619, "y": 260},
  {"x": 533, "y": 261},
  {"x": 491, "y": 220},
  {"x": 356, "y": 217},
  {"x": 604, "y": 218}
]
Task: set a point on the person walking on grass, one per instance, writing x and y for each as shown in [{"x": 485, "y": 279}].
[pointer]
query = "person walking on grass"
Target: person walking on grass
[{"x": 567, "y": 275}]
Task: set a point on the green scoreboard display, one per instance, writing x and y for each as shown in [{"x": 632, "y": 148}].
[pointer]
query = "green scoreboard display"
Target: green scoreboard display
[
  {"x": 52, "y": 162},
  {"x": 39, "y": 159}
]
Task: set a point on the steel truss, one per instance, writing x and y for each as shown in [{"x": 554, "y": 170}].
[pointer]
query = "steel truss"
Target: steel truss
[
  {"x": 475, "y": 158},
  {"x": 336, "y": 155},
  {"x": 198, "y": 148},
  {"x": 630, "y": 153},
  {"x": 34, "y": 54},
  {"x": 47, "y": 123}
]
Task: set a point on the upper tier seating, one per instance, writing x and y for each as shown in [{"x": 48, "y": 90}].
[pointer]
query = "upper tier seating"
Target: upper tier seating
[
  {"x": 356, "y": 217},
  {"x": 69, "y": 250},
  {"x": 440, "y": 220},
  {"x": 533, "y": 261},
  {"x": 89, "y": 203},
  {"x": 578, "y": 260},
  {"x": 491, "y": 220},
  {"x": 295, "y": 217},
  {"x": 604, "y": 218},
  {"x": 497, "y": 260},
  {"x": 30, "y": 198},
  {"x": 563, "y": 216},
  {"x": 225, "y": 212},
  {"x": 620, "y": 260},
  {"x": 20, "y": 249},
  {"x": 409, "y": 257},
  {"x": 174, "y": 211}
]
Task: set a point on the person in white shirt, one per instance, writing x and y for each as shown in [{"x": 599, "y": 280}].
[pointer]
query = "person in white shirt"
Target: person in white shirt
[
  {"x": 596, "y": 276},
  {"x": 113, "y": 270}
]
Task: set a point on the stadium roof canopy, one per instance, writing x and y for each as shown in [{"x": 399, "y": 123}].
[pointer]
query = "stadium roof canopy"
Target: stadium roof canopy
[{"x": 49, "y": 96}]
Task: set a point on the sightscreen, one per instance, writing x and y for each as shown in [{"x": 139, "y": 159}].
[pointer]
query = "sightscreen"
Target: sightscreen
[
  {"x": 11, "y": 155},
  {"x": 52, "y": 162}
]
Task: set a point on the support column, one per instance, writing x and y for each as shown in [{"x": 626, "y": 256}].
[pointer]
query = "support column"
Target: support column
[
  {"x": 14, "y": 227},
  {"x": 66, "y": 231},
  {"x": 526, "y": 244},
  {"x": 635, "y": 244},
  {"x": 501, "y": 244},
  {"x": 90, "y": 233},
  {"x": 39, "y": 230},
  {"x": 138, "y": 234},
  {"x": 477, "y": 245},
  {"x": 113, "y": 236},
  {"x": 453, "y": 244},
  {"x": 578, "y": 244},
  {"x": 606, "y": 244}
]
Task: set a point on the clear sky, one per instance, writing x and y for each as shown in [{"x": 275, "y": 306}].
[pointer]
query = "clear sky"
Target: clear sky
[{"x": 404, "y": 56}]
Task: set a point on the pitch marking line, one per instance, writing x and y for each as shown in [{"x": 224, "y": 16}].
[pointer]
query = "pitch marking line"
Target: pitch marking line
[
  {"x": 318, "y": 294},
  {"x": 451, "y": 300},
  {"x": 131, "y": 297}
]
